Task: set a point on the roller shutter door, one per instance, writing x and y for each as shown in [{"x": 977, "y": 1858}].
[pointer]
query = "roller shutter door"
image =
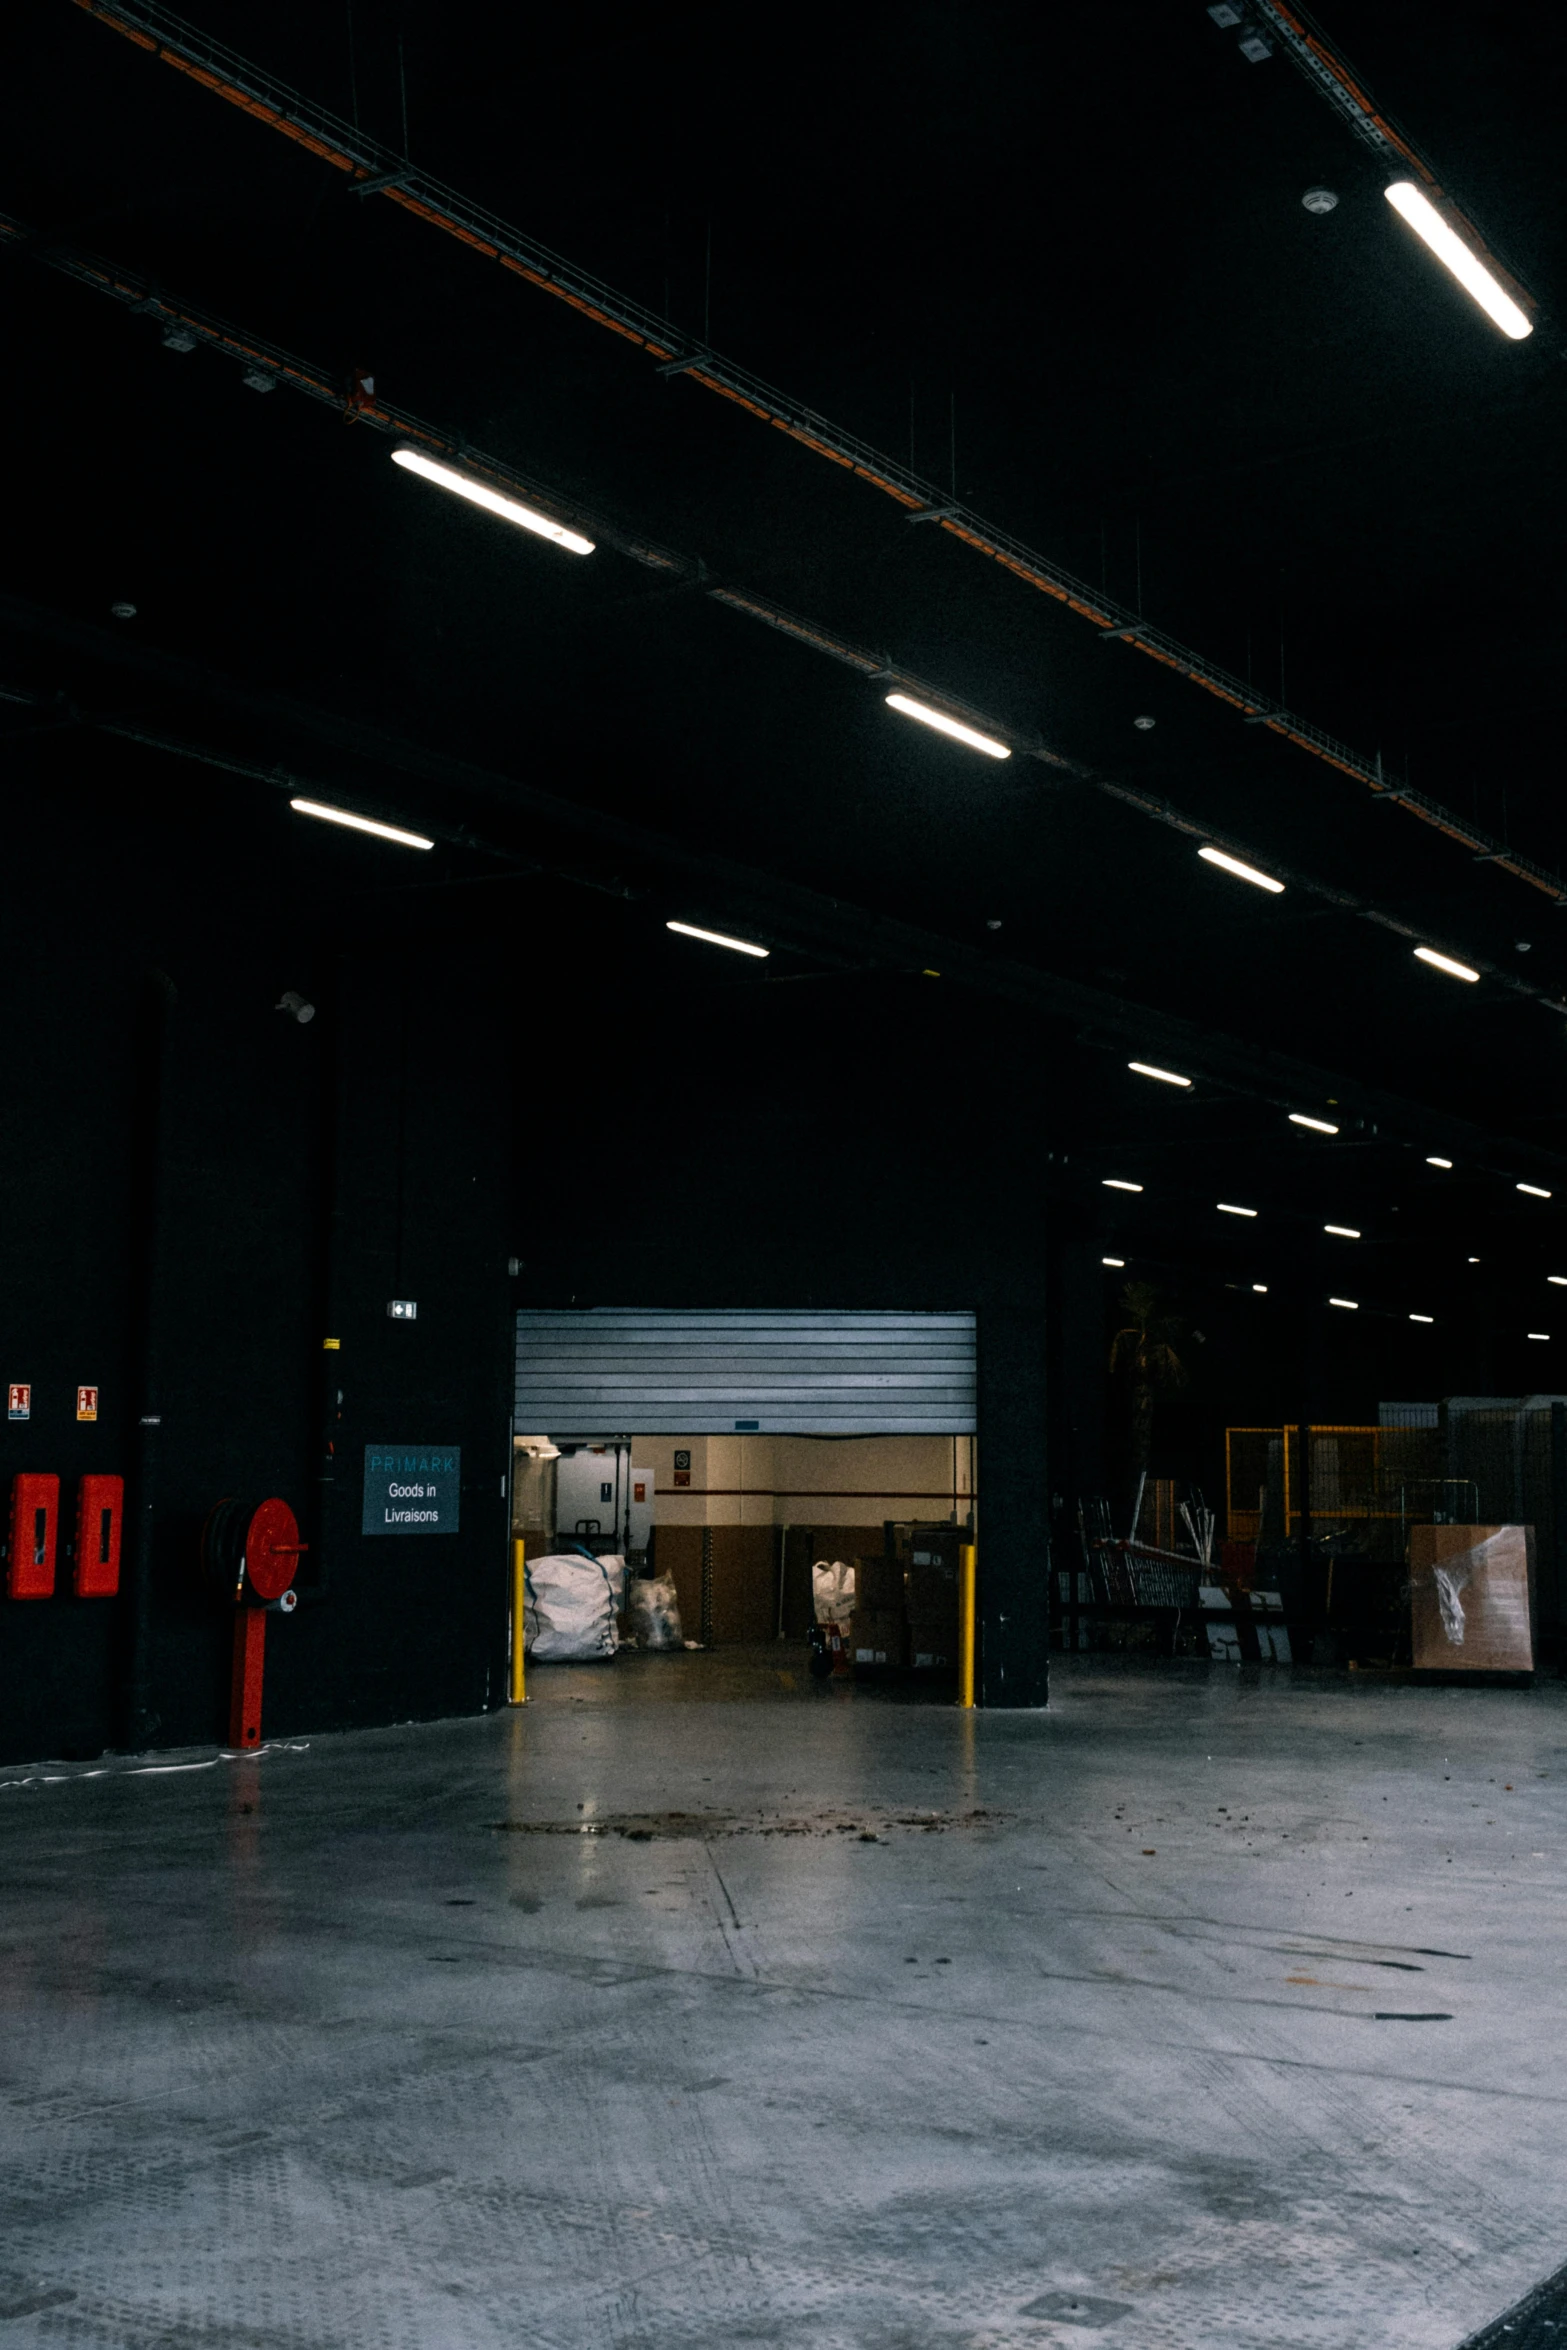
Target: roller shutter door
[{"x": 614, "y": 1371}]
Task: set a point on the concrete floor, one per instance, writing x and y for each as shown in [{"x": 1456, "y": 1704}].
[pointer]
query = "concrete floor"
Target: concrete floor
[{"x": 858, "y": 2023}]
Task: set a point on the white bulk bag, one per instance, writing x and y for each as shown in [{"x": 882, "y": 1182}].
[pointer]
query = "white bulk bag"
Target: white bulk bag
[
  {"x": 568, "y": 1609},
  {"x": 832, "y": 1590}
]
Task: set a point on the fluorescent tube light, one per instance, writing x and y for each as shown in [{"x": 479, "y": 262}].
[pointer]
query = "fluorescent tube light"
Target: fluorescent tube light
[
  {"x": 1165, "y": 1076},
  {"x": 1342, "y": 1231},
  {"x": 1444, "y": 963},
  {"x": 1118, "y": 1183},
  {"x": 1557, "y": 1280},
  {"x": 1472, "y": 1260},
  {"x": 1227, "y": 1208},
  {"x": 1478, "y": 283},
  {"x": 1422, "y": 1317},
  {"x": 1242, "y": 872},
  {"x": 404, "y": 840},
  {"x": 1440, "y": 1163},
  {"x": 1533, "y": 1190},
  {"x": 479, "y": 493},
  {"x": 1118, "y": 1262},
  {"x": 1545, "y": 1334},
  {"x": 1351, "y": 1305},
  {"x": 945, "y": 725},
  {"x": 716, "y": 938},
  {"x": 1261, "y": 1288},
  {"x": 1317, "y": 1125}
]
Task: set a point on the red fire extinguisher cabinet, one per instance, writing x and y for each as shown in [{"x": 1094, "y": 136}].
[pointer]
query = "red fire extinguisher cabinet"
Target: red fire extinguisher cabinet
[
  {"x": 32, "y": 1536},
  {"x": 100, "y": 1515}
]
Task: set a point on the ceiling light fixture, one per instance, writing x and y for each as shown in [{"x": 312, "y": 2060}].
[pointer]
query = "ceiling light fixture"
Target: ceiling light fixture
[
  {"x": 1165, "y": 1076},
  {"x": 1545, "y": 1334},
  {"x": 1533, "y": 1189},
  {"x": 1440, "y": 1163},
  {"x": 1444, "y": 963},
  {"x": 1557, "y": 1280},
  {"x": 1477, "y": 281},
  {"x": 716, "y": 938},
  {"x": 1351, "y": 1305},
  {"x": 1118, "y": 1262},
  {"x": 479, "y": 493},
  {"x": 1422, "y": 1317},
  {"x": 960, "y": 733},
  {"x": 1242, "y": 872},
  {"x": 1228, "y": 1208},
  {"x": 1342, "y": 1231},
  {"x": 1261, "y": 1288},
  {"x": 1119, "y": 1183},
  {"x": 404, "y": 840},
  {"x": 1317, "y": 1125}
]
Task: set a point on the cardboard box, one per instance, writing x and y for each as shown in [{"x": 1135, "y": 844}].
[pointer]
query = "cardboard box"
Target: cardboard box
[
  {"x": 877, "y": 1636},
  {"x": 933, "y": 1592},
  {"x": 878, "y": 1584},
  {"x": 1471, "y": 1596},
  {"x": 933, "y": 1644}
]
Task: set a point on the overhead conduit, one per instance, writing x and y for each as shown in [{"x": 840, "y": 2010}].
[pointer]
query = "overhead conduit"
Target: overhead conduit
[{"x": 380, "y": 170}]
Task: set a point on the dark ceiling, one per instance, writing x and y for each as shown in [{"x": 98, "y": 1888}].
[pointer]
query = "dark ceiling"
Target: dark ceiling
[{"x": 1057, "y": 257}]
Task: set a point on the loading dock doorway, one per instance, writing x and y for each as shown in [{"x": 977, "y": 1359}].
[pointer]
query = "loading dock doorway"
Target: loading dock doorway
[{"x": 744, "y": 1446}]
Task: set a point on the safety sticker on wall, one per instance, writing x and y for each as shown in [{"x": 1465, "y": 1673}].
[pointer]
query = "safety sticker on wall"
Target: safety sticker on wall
[
  {"x": 87, "y": 1403},
  {"x": 19, "y": 1405}
]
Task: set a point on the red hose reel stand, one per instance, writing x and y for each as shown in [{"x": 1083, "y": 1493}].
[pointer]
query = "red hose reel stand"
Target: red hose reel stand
[{"x": 252, "y": 1550}]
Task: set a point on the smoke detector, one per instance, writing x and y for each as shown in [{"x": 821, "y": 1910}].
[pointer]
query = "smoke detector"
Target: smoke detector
[{"x": 1320, "y": 200}]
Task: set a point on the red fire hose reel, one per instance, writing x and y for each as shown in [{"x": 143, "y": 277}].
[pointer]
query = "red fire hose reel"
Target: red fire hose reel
[{"x": 251, "y": 1550}]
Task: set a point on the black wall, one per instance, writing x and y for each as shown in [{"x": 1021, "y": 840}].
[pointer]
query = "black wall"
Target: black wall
[
  {"x": 305, "y": 1175},
  {"x": 199, "y": 1191}
]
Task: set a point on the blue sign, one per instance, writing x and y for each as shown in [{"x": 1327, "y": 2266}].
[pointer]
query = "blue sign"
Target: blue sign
[{"x": 411, "y": 1488}]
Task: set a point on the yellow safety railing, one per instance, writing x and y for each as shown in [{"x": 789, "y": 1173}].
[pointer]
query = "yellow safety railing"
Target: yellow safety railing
[{"x": 966, "y": 1599}]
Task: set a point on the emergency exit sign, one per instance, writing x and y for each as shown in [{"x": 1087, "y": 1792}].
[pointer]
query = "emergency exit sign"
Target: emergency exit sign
[{"x": 411, "y": 1488}]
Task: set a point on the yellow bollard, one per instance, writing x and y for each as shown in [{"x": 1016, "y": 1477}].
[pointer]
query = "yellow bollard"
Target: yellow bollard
[
  {"x": 966, "y": 1624},
  {"x": 518, "y": 1596}
]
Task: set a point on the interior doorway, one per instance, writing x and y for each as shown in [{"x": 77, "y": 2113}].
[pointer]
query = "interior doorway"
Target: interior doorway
[{"x": 803, "y": 1440}]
